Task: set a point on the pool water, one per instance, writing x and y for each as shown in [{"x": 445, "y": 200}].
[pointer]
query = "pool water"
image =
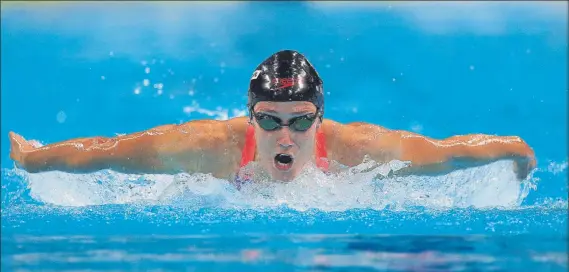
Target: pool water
[{"x": 439, "y": 69}]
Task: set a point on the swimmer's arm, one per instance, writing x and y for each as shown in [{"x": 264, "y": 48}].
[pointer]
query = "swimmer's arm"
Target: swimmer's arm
[
  {"x": 432, "y": 156},
  {"x": 351, "y": 143},
  {"x": 192, "y": 147}
]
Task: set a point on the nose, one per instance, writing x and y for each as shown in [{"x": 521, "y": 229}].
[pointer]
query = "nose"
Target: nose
[{"x": 285, "y": 140}]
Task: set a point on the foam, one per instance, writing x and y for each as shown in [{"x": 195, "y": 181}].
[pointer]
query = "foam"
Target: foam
[{"x": 366, "y": 186}]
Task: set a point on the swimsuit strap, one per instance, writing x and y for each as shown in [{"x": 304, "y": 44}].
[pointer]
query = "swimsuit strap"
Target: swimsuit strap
[{"x": 248, "y": 153}]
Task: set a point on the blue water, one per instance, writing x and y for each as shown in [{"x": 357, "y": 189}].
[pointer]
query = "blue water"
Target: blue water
[{"x": 438, "y": 69}]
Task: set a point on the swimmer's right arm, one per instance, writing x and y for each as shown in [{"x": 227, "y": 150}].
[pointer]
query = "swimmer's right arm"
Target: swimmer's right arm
[{"x": 198, "y": 146}]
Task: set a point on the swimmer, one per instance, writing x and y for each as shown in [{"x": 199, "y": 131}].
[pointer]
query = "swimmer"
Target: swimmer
[{"x": 284, "y": 132}]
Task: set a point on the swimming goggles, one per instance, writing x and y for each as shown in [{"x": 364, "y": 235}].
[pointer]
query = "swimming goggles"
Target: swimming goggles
[{"x": 271, "y": 123}]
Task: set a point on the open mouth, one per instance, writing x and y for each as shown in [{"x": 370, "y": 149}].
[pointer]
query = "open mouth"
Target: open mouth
[{"x": 283, "y": 162}]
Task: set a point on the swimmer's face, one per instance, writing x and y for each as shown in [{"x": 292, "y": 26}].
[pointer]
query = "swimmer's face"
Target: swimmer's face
[{"x": 296, "y": 140}]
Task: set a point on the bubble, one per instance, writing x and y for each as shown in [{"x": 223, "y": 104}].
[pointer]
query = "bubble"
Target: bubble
[
  {"x": 222, "y": 64},
  {"x": 147, "y": 70},
  {"x": 416, "y": 127},
  {"x": 146, "y": 82},
  {"x": 137, "y": 91},
  {"x": 111, "y": 53},
  {"x": 471, "y": 67},
  {"x": 216, "y": 80},
  {"x": 159, "y": 92},
  {"x": 61, "y": 117},
  {"x": 102, "y": 77},
  {"x": 393, "y": 79},
  {"x": 191, "y": 92}
]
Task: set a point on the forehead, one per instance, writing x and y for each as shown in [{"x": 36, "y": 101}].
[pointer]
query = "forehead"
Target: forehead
[{"x": 285, "y": 107}]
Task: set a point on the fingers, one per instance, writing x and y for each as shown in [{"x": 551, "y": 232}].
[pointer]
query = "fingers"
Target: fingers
[
  {"x": 18, "y": 142},
  {"x": 18, "y": 147}
]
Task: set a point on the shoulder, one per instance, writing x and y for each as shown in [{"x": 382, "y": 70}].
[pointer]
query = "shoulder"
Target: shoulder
[
  {"x": 333, "y": 129},
  {"x": 231, "y": 129}
]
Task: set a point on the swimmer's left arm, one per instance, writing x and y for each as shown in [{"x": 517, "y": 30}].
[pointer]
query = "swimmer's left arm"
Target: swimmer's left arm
[
  {"x": 431, "y": 156},
  {"x": 427, "y": 155}
]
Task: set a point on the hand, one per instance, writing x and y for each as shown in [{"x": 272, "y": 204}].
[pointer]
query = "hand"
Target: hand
[
  {"x": 525, "y": 160},
  {"x": 19, "y": 148}
]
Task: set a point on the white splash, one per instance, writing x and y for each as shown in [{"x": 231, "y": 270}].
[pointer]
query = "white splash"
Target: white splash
[
  {"x": 219, "y": 113},
  {"x": 364, "y": 186}
]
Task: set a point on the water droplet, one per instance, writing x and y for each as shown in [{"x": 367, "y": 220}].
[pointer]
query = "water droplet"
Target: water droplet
[{"x": 60, "y": 117}]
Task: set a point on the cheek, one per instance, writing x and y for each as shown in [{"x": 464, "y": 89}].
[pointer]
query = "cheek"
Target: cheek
[
  {"x": 305, "y": 139},
  {"x": 268, "y": 139}
]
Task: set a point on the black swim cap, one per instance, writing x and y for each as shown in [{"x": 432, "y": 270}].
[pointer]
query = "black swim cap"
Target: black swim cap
[{"x": 286, "y": 76}]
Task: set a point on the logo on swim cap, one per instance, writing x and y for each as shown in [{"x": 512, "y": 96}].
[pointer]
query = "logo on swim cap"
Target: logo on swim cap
[
  {"x": 256, "y": 74},
  {"x": 282, "y": 83}
]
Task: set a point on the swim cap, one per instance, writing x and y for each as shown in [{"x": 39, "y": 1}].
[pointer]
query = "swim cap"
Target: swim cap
[{"x": 286, "y": 76}]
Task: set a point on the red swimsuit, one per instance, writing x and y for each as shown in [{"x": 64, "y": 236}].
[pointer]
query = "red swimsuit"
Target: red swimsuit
[{"x": 248, "y": 153}]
